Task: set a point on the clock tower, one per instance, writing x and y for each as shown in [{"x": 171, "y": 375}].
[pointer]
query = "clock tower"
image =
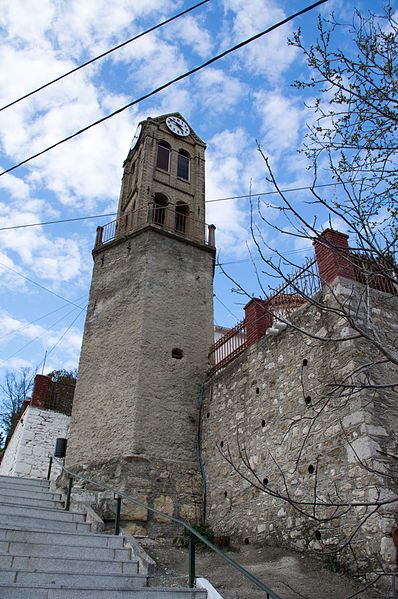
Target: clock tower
[{"x": 148, "y": 329}]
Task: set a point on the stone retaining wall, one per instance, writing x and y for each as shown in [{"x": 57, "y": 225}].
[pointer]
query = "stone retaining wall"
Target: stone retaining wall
[{"x": 260, "y": 410}]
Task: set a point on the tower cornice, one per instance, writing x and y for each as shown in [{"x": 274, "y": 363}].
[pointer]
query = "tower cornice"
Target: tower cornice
[{"x": 149, "y": 227}]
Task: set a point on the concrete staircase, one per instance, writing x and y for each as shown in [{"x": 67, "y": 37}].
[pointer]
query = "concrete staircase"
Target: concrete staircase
[{"x": 48, "y": 553}]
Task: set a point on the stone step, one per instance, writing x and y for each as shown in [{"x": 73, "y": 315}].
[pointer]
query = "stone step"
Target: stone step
[
  {"x": 69, "y": 565},
  {"x": 30, "y": 501},
  {"x": 41, "y": 512},
  {"x": 35, "y": 494},
  {"x": 43, "y": 523},
  {"x": 31, "y": 535},
  {"x": 20, "y": 481},
  {"x": 62, "y": 579},
  {"x": 21, "y": 549},
  {"x": 17, "y": 592}
]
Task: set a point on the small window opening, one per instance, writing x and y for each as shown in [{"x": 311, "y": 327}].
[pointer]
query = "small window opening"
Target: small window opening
[
  {"x": 225, "y": 493},
  {"x": 308, "y": 400},
  {"x": 159, "y": 209},
  {"x": 183, "y": 165},
  {"x": 263, "y": 423},
  {"x": 177, "y": 353},
  {"x": 311, "y": 469},
  {"x": 247, "y": 541},
  {"x": 182, "y": 211},
  {"x": 222, "y": 444},
  {"x": 265, "y": 481},
  {"x": 305, "y": 362},
  {"x": 163, "y": 157},
  {"x": 318, "y": 535},
  {"x": 208, "y": 415},
  {"x": 257, "y": 390}
]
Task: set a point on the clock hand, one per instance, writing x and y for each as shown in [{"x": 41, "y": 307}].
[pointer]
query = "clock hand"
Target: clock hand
[{"x": 179, "y": 126}]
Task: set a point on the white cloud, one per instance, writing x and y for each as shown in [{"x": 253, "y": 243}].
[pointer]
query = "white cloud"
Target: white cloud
[
  {"x": 76, "y": 26},
  {"x": 225, "y": 177},
  {"x": 62, "y": 341},
  {"x": 218, "y": 91},
  {"x": 24, "y": 21},
  {"x": 9, "y": 280},
  {"x": 10, "y": 325},
  {"x": 150, "y": 62},
  {"x": 14, "y": 185},
  {"x": 52, "y": 258},
  {"x": 17, "y": 363},
  {"x": 281, "y": 120},
  {"x": 190, "y": 31},
  {"x": 270, "y": 55}
]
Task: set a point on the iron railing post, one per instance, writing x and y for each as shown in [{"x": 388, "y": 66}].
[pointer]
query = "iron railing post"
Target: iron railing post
[
  {"x": 68, "y": 495},
  {"x": 118, "y": 508},
  {"x": 50, "y": 465},
  {"x": 191, "y": 549},
  {"x": 194, "y": 536}
]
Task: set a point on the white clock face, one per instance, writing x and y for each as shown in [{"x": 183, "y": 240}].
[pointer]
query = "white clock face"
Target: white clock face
[{"x": 177, "y": 126}]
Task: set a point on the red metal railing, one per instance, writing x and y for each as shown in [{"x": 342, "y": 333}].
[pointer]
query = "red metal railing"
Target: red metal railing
[
  {"x": 380, "y": 274},
  {"x": 165, "y": 217},
  {"x": 228, "y": 347},
  {"x": 377, "y": 273},
  {"x": 291, "y": 294},
  {"x": 284, "y": 300}
]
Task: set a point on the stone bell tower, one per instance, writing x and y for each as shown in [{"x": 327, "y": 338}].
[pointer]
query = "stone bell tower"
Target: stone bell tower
[{"x": 148, "y": 328}]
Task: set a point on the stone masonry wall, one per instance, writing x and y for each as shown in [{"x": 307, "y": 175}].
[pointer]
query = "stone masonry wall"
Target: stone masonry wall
[
  {"x": 135, "y": 416},
  {"x": 260, "y": 410},
  {"x": 33, "y": 440}
]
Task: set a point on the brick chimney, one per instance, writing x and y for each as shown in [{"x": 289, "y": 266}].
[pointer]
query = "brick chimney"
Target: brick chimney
[
  {"x": 257, "y": 320},
  {"x": 332, "y": 254},
  {"x": 40, "y": 388}
]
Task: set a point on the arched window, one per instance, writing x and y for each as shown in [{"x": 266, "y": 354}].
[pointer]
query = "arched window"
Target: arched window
[
  {"x": 159, "y": 209},
  {"x": 183, "y": 165},
  {"x": 182, "y": 211},
  {"x": 163, "y": 157}
]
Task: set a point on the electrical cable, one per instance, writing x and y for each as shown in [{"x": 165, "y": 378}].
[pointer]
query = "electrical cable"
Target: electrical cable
[
  {"x": 132, "y": 39},
  {"x": 64, "y": 333},
  {"x": 269, "y": 193},
  {"x": 224, "y": 305},
  {"x": 242, "y": 260},
  {"x": 41, "y": 334},
  {"x": 39, "y": 285},
  {"x": 165, "y": 85},
  {"x": 253, "y": 195},
  {"x": 28, "y": 324},
  {"x": 55, "y": 222}
]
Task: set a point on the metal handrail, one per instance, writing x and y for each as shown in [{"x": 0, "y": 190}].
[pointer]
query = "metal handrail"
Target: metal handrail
[{"x": 193, "y": 534}]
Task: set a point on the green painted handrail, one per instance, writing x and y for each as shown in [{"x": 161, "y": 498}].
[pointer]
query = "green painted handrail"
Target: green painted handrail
[{"x": 258, "y": 583}]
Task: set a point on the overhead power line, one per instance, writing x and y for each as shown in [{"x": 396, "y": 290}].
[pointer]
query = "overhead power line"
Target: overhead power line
[
  {"x": 226, "y": 199},
  {"x": 55, "y": 222},
  {"x": 39, "y": 285},
  {"x": 46, "y": 330},
  {"x": 166, "y": 85},
  {"x": 32, "y": 322},
  {"x": 85, "y": 64},
  {"x": 66, "y": 331}
]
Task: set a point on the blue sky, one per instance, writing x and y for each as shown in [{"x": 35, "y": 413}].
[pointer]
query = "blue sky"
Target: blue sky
[{"x": 244, "y": 97}]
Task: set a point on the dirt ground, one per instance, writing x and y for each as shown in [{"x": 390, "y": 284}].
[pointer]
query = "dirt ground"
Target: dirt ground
[{"x": 291, "y": 575}]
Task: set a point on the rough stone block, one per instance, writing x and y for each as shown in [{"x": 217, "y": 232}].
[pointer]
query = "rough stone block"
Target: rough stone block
[
  {"x": 164, "y": 504},
  {"x": 130, "y": 511}
]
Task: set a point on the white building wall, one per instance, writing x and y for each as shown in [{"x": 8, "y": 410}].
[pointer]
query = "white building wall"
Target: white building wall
[{"x": 32, "y": 442}]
